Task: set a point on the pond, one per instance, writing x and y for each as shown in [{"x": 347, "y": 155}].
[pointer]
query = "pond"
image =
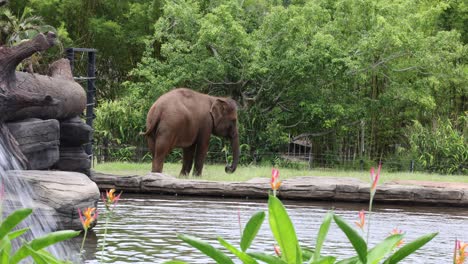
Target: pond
[{"x": 145, "y": 227}]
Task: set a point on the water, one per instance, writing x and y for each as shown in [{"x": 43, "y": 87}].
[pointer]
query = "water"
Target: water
[
  {"x": 17, "y": 194},
  {"x": 145, "y": 227}
]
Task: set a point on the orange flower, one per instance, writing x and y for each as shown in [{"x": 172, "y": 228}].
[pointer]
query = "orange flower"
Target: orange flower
[
  {"x": 397, "y": 231},
  {"x": 362, "y": 220},
  {"x": 110, "y": 198},
  {"x": 87, "y": 217},
  {"x": 375, "y": 177},
  {"x": 275, "y": 182},
  {"x": 460, "y": 252}
]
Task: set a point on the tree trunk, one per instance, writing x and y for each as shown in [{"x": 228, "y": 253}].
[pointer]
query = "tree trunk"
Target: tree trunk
[{"x": 24, "y": 95}]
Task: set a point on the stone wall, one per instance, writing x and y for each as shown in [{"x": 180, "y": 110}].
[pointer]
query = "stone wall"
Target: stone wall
[
  {"x": 300, "y": 188},
  {"x": 53, "y": 144}
]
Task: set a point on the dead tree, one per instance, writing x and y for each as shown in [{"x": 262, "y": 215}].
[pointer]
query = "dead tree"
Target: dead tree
[{"x": 25, "y": 95}]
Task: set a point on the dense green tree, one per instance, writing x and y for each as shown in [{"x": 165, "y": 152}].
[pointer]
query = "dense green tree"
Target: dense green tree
[{"x": 355, "y": 75}]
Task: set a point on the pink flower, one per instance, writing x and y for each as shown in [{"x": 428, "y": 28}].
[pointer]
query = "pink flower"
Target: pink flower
[
  {"x": 362, "y": 220},
  {"x": 460, "y": 252},
  {"x": 374, "y": 177},
  {"x": 275, "y": 182}
]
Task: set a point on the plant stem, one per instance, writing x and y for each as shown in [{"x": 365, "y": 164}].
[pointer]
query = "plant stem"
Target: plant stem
[
  {"x": 84, "y": 239},
  {"x": 239, "y": 220},
  {"x": 105, "y": 234},
  {"x": 370, "y": 216}
]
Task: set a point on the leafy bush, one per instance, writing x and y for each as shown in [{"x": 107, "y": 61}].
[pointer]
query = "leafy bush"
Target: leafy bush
[
  {"x": 440, "y": 148},
  {"x": 289, "y": 250},
  {"x": 34, "y": 248}
]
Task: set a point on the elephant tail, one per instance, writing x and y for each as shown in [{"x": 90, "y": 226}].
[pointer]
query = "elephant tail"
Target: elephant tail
[{"x": 151, "y": 125}]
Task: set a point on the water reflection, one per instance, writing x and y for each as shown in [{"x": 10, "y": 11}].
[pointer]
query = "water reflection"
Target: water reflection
[{"x": 145, "y": 227}]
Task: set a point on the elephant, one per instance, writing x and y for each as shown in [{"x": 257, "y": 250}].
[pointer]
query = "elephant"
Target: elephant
[{"x": 183, "y": 118}]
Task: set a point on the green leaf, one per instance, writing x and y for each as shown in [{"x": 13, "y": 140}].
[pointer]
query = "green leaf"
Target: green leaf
[
  {"x": 206, "y": 249},
  {"x": 13, "y": 220},
  {"x": 269, "y": 259},
  {"x": 356, "y": 240},
  {"x": 307, "y": 254},
  {"x": 283, "y": 231},
  {"x": 42, "y": 257},
  {"x": 246, "y": 259},
  {"x": 383, "y": 248},
  {"x": 251, "y": 230},
  {"x": 5, "y": 249},
  {"x": 353, "y": 260},
  {"x": 43, "y": 242},
  {"x": 325, "y": 260},
  {"x": 17, "y": 233},
  {"x": 409, "y": 248},
  {"x": 323, "y": 231}
]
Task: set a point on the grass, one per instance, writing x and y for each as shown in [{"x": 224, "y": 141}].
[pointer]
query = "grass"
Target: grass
[{"x": 244, "y": 173}]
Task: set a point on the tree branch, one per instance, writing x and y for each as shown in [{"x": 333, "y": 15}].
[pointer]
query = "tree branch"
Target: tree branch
[{"x": 11, "y": 57}]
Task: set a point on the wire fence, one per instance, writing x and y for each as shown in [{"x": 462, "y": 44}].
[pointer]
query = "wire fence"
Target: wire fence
[{"x": 302, "y": 161}]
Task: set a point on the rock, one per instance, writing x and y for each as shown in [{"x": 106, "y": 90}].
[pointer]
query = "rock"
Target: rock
[
  {"x": 38, "y": 140},
  {"x": 127, "y": 183},
  {"x": 300, "y": 188},
  {"x": 73, "y": 159},
  {"x": 60, "y": 194},
  {"x": 74, "y": 132}
]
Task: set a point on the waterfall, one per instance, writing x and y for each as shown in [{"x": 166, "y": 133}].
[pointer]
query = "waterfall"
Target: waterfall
[{"x": 19, "y": 194}]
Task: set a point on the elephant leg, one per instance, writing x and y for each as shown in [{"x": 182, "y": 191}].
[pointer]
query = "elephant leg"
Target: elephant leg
[
  {"x": 161, "y": 149},
  {"x": 202, "y": 149},
  {"x": 189, "y": 153}
]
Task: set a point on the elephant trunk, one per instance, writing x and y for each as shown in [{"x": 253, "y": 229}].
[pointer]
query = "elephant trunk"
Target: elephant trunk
[{"x": 235, "y": 154}]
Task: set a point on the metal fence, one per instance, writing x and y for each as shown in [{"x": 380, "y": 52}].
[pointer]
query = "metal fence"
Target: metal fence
[{"x": 281, "y": 159}]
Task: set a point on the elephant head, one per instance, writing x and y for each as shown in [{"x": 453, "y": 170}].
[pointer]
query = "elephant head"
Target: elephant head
[{"x": 224, "y": 114}]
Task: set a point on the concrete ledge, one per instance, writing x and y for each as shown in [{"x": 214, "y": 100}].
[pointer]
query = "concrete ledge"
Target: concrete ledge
[{"x": 300, "y": 188}]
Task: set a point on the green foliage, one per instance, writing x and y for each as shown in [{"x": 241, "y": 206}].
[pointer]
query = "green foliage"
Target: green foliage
[
  {"x": 251, "y": 230},
  {"x": 440, "y": 148},
  {"x": 283, "y": 231},
  {"x": 34, "y": 248},
  {"x": 116, "y": 123},
  {"x": 293, "y": 66},
  {"x": 14, "y": 30}
]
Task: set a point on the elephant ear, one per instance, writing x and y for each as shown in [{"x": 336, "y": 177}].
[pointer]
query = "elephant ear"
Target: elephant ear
[{"x": 218, "y": 110}]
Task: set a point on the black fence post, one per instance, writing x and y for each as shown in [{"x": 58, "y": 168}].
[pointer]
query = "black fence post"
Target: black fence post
[
  {"x": 90, "y": 96},
  {"x": 91, "y": 88},
  {"x": 71, "y": 57}
]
